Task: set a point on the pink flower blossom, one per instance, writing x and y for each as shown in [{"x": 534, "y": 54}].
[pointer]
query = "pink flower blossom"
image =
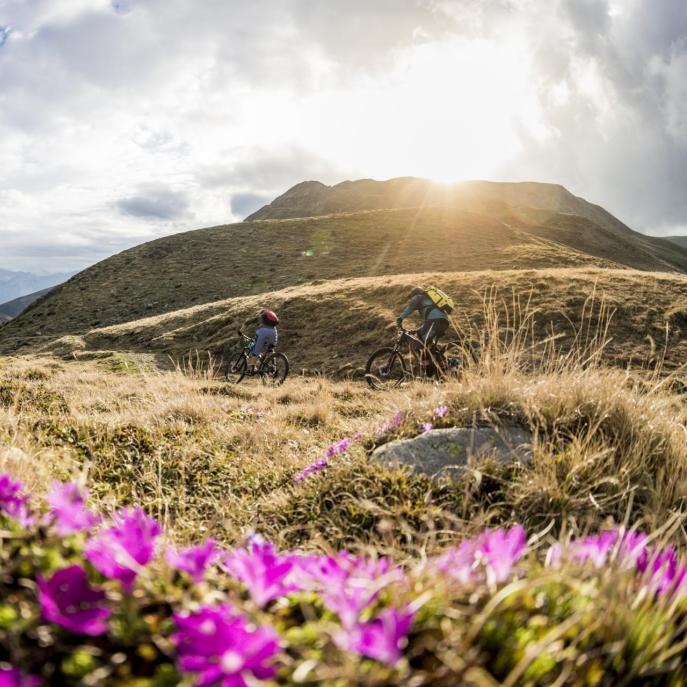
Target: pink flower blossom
[
  {"x": 222, "y": 648},
  {"x": 346, "y": 583},
  {"x": 397, "y": 419},
  {"x": 68, "y": 509},
  {"x": 441, "y": 411},
  {"x": 68, "y": 600},
  {"x": 194, "y": 560},
  {"x": 12, "y": 677},
  {"x": 598, "y": 549},
  {"x": 490, "y": 555},
  {"x": 13, "y": 502},
  {"x": 662, "y": 570},
  {"x": 382, "y": 639},
  {"x": 426, "y": 426},
  {"x": 314, "y": 468},
  {"x": 383, "y": 429},
  {"x": 262, "y": 570},
  {"x": 323, "y": 462},
  {"x": 120, "y": 551}
]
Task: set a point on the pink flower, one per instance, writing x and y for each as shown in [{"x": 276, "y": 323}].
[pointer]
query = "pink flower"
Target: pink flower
[
  {"x": 225, "y": 406},
  {"x": 222, "y": 648},
  {"x": 12, "y": 677},
  {"x": 319, "y": 465},
  {"x": 120, "y": 551},
  {"x": 490, "y": 555},
  {"x": 346, "y": 584},
  {"x": 426, "y": 426},
  {"x": 441, "y": 411},
  {"x": 68, "y": 600},
  {"x": 195, "y": 560},
  {"x": 382, "y": 639},
  {"x": 383, "y": 429},
  {"x": 261, "y": 569},
  {"x": 13, "y": 502},
  {"x": 68, "y": 509},
  {"x": 397, "y": 419},
  {"x": 662, "y": 569},
  {"x": 323, "y": 462},
  {"x": 598, "y": 549}
]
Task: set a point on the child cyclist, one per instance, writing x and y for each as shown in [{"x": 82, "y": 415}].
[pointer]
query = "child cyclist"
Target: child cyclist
[{"x": 265, "y": 334}]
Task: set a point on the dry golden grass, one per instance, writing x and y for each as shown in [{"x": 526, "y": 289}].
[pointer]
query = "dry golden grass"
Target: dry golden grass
[
  {"x": 334, "y": 326},
  {"x": 208, "y": 457}
]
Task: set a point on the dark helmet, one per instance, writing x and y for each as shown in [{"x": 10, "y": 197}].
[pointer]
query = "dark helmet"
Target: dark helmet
[
  {"x": 269, "y": 317},
  {"x": 415, "y": 292}
]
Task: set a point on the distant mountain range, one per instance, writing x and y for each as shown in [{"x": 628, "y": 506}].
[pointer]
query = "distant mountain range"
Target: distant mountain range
[
  {"x": 17, "y": 305},
  {"x": 16, "y": 284}
]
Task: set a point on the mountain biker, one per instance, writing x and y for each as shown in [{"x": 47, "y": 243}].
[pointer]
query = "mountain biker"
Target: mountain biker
[
  {"x": 435, "y": 320},
  {"x": 265, "y": 335}
]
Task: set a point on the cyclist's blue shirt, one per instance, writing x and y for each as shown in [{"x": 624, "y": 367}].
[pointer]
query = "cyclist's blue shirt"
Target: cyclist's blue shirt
[
  {"x": 425, "y": 306},
  {"x": 265, "y": 336}
]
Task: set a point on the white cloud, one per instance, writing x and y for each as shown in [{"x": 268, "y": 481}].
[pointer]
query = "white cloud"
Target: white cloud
[{"x": 128, "y": 119}]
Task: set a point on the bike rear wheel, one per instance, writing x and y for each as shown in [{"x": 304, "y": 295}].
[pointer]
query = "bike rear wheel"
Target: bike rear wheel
[
  {"x": 274, "y": 369},
  {"x": 237, "y": 369},
  {"x": 385, "y": 369},
  {"x": 453, "y": 360}
]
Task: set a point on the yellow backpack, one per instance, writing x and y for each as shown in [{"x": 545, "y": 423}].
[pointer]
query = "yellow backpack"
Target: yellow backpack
[{"x": 440, "y": 299}]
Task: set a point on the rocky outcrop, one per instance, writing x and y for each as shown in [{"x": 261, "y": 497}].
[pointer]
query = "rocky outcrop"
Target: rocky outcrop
[{"x": 447, "y": 452}]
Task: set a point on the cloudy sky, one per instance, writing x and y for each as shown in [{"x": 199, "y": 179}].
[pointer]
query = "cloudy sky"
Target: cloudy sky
[{"x": 124, "y": 120}]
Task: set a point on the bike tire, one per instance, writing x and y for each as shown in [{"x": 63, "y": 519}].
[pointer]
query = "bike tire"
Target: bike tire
[
  {"x": 385, "y": 369},
  {"x": 274, "y": 369},
  {"x": 237, "y": 369},
  {"x": 452, "y": 362}
]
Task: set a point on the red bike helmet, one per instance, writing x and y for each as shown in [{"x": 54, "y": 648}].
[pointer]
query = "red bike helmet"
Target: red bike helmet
[{"x": 269, "y": 317}]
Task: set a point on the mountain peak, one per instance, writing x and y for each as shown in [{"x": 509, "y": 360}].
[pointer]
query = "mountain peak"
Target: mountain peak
[{"x": 312, "y": 198}]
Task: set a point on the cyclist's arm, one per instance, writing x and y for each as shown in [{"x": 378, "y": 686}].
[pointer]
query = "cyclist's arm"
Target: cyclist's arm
[{"x": 413, "y": 305}]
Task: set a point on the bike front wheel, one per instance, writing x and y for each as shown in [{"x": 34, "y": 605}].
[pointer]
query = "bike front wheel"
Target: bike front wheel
[
  {"x": 237, "y": 369},
  {"x": 274, "y": 369},
  {"x": 385, "y": 369}
]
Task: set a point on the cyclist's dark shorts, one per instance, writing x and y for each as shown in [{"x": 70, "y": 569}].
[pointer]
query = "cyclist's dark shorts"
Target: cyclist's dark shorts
[{"x": 432, "y": 330}]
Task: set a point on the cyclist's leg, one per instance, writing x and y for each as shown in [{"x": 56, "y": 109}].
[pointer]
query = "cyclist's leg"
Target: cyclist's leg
[
  {"x": 423, "y": 334},
  {"x": 435, "y": 329}
]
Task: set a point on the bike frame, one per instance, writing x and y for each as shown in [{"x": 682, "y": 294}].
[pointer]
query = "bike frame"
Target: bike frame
[
  {"x": 407, "y": 335},
  {"x": 247, "y": 350}
]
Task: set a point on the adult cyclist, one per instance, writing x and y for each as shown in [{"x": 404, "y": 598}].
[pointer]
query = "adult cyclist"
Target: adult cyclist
[{"x": 434, "y": 315}]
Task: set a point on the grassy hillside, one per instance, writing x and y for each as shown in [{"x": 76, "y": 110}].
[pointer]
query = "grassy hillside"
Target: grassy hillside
[
  {"x": 207, "y": 457},
  {"x": 483, "y": 197},
  {"x": 678, "y": 240},
  {"x": 244, "y": 259},
  {"x": 335, "y": 325},
  {"x": 241, "y": 259}
]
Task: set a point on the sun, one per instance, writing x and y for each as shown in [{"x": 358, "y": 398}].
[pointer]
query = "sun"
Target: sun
[{"x": 447, "y": 111}]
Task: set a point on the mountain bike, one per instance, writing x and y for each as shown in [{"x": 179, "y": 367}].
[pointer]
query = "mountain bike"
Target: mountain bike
[
  {"x": 272, "y": 369},
  {"x": 409, "y": 358}
]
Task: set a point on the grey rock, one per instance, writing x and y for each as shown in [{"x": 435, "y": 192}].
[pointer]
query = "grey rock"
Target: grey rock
[{"x": 440, "y": 452}]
